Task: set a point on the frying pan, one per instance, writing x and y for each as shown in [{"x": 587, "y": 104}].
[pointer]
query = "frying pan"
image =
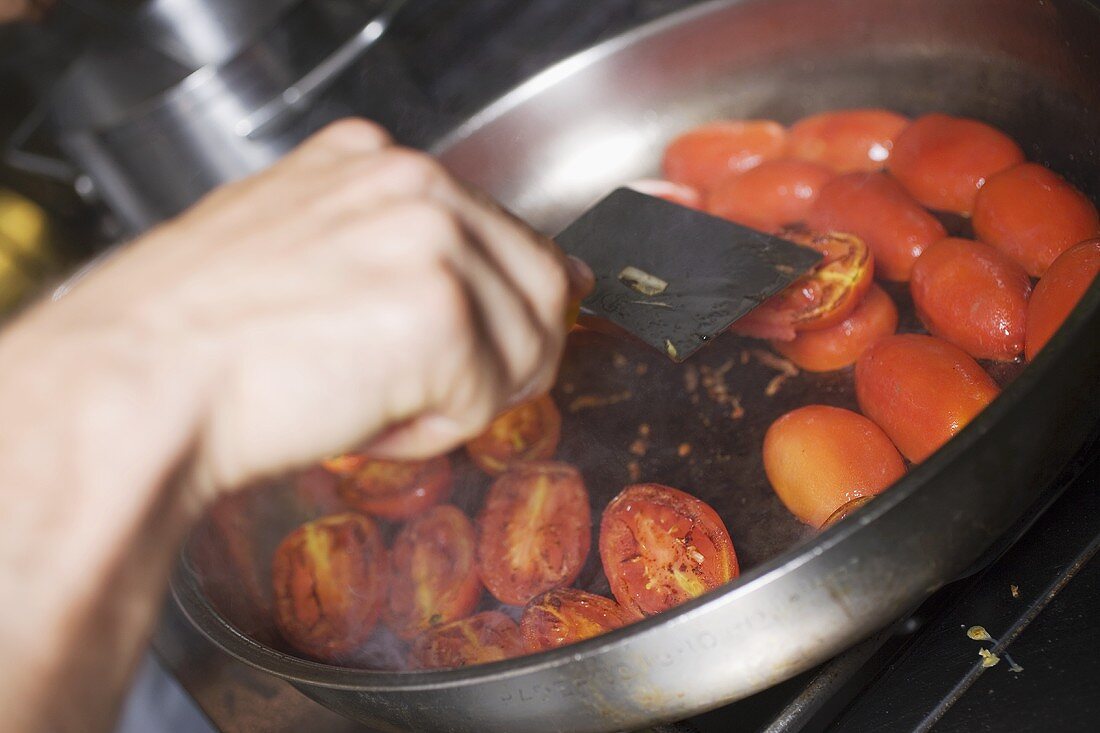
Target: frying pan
[{"x": 572, "y": 133}]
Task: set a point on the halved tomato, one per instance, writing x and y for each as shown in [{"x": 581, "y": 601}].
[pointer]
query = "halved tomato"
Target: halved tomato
[
  {"x": 921, "y": 391},
  {"x": 661, "y": 547},
  {"x": 839, "y": 346},
  {"x": 489, "y": 636},
  {"x": 846, "y": 139},
  {"x": 1061, "y": 287},
  {"x": 533, "y": 531},
  {"x": 820, "y": 299},
  {"x": 568, "y": 615},
  {"x": 391, "y": 489},
  {"x": 774, "y": 194},
  {"x": 329, "y": 578},
  {"x": 819, "y": 458},
  {"x": 1033, "y": 215},
  {"x": 972, "y": 295},
  {"x": 529, "y": 432},
  {"x": 434, "y": 572},
  {"x": 875, "y": 208},
  {"x": 708, "y": 153},
  {"x": 677, "y": 193},
  {"x": 943, "y": 161}
]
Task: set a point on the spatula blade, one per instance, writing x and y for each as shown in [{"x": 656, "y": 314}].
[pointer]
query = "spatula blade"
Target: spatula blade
[{"x": 677, "y": 277}]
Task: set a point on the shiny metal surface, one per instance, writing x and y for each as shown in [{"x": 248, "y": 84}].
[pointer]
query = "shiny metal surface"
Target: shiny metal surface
[
  {"x": 225, "y": 89},
  {"x": 559, "y": 142}
]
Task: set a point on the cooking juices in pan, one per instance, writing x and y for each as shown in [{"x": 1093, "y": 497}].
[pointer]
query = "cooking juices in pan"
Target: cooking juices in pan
[{"x": 639, "y": 484}]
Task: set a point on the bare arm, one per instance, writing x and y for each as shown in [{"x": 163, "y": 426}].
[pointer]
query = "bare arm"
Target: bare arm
[{"x": 352, "y": 293}]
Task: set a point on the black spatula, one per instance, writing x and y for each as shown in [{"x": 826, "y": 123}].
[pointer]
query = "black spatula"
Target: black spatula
[{"x": 673, "y": 276}]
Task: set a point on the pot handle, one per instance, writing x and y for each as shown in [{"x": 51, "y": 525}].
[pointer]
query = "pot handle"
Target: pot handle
[
  {"x": 302, "y": 92},
  {"x": 19, "y": 157}
]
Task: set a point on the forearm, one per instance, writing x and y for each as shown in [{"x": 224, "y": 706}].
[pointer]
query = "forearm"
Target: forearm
[{"x": 91, "y": 437}]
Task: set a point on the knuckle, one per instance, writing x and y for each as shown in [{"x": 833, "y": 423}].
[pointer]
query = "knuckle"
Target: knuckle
[
  {"x": 351, "y": 133},
  {"x": 431, "y": 228},
  {"x": 411, "y": 171}
]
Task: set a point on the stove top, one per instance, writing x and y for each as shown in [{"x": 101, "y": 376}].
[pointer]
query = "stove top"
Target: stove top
[{"x": 1037, "y": 597}]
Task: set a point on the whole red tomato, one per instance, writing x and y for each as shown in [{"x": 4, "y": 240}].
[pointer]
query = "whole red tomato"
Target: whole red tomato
[
  {"x": 819, "y": 458},
  {"x": 329, "y": 578},
  {"x": 821, "y": 299},
  {"x": 434, "y": 576},
  {"x": 708, "y": 153},
  {"x": 921, "y": 391},
  {"x": 1058, "y": 292},
  {"x": 485, "y": 637},
  {"x": 529, "y": 432},
  {"x": 839, "y": 346},
  {"x": 875, "y": 208},
  {"x": 534, "y": 531},
  {"x": 972, "y": 295},
  {"x": 568, "y": 615},
  {"x": 944, "y": 160},
  {"x": 661, "y": 547},
  {"x": 390, "y": 489},
  {"x": 846, "y": 140},
  {"x": 774, "y": 194},
  {"x": 1031, "y": 214}
]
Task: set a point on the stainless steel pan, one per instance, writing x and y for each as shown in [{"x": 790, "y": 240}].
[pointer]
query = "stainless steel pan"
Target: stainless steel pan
[{"x": 555, "y": 144}]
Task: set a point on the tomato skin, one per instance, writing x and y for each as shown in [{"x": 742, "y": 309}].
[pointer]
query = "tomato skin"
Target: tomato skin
[
  {"x": 839, "y": 346},
  {"x": 972, "y": 295},
  {"x": 843, "y": 512},
  {"x": 704, "y": 155},
  {"x": 434, "y": 577},
  {"x": 819, "y": 458},
  {"x": 568, "y": 615},
  {"x": 920, "y": 391},
  {"x": 534, "y": 531},
  {"x": 1033, "y": 215},
  {"x": 943, "y": 161},
  {"x": 661, "y": 547},
  {"x": 774, "y": 194},
  {"x": 1058, "y": 292},
  {"x": 329, "y": 578},
  {"x": 391, "y": 490},
  {"x": 846, "y": 140},
  {"x": 875, "y": 208},
  {"x": 677, "y": 193},
  {"x": 489, "y": 636},
  {"x": 820, "y": 299},
  {"x": 528, "y": 432}
]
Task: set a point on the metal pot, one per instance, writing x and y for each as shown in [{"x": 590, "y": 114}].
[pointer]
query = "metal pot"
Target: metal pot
[
  {"x": 223, "y": 90},
  {"x": 571, "y": 133}
]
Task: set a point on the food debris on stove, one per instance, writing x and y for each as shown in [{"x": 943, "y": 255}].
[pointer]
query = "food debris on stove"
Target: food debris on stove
[
  {"x": 588, "y": 401},
  {"x": 1014, "y": 590},
  {"x": 978, "y": 633},
  {"x": 644, "y": 282},
  {"x": 671, "y": 349},
  {"x": 988, "y": 658}
]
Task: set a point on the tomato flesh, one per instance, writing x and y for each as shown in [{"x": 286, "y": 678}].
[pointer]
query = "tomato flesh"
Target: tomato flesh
[
  {"x": 846, "y": 140},
  {"x": 873, "y": 207},
  {"x": 1033, "y": 215},
  {"x": 774, "y": 194},
  {"x": 485, "y": 637},
  {"x": 434, "y": 577},
  {"x": 529, "y": 432},
  {"x": 972, "y": 295},
  {"x": 568, "y": 615},
  {"x": 819, "y": 458},
  {"x": 661, "y": 547},
  {"x": 329, "y": 577},
  {"x": 839, "y": 346},
  {"x": 534, "y": 531},
  {"x": 706, "y": 154},
  {"x": 390, "y": 489},
  {"x": 921, "y": 391},
  {"x": 1058, "y": 292},
  {"x": 943, "y": 161},
  {"x": 843, "y": 512},
  {"x": 820, "y": 299},
  {"x": 677, "y": 193}
]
